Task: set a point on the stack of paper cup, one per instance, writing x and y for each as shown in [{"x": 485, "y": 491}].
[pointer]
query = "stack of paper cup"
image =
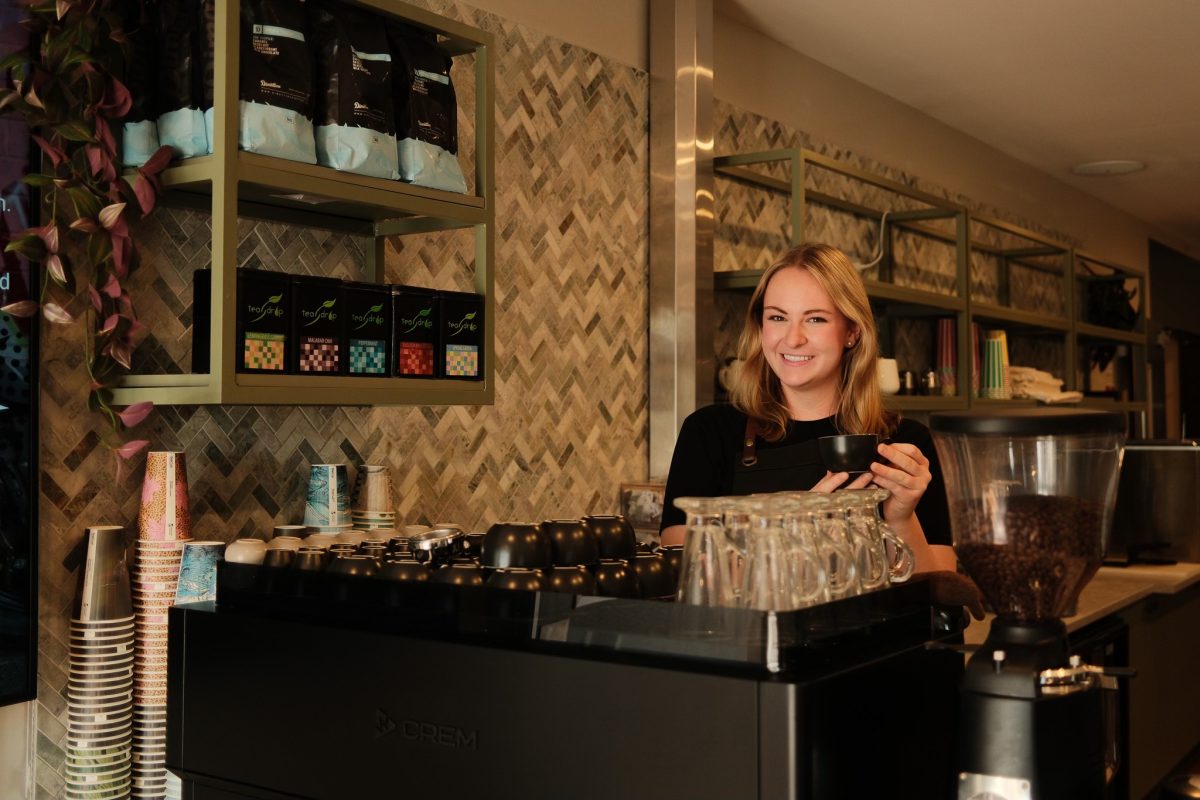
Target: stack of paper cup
[
  {"x": 374, "y": 507},
  {"x": 164, "y": 526},
  {"x": 327, "y": 504},
  {"x": 100, "y": 680},
  {"x": 995, "y": 367},
  {"x": 947, "y": 357}
]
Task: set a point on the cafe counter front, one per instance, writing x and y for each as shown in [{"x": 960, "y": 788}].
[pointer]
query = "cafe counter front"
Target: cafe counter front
[{"x": 337, "y": 687}]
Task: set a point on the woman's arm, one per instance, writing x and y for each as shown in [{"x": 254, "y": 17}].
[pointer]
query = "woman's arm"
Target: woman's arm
[{"x": 673, "y": 534}]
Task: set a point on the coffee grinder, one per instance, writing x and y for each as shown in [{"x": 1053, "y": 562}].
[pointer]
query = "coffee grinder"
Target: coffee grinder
[{"x": 1031, "y": 496}]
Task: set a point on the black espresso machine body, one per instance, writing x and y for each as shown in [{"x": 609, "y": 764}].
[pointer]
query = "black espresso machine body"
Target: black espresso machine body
[{"x": 447, "y": 691}]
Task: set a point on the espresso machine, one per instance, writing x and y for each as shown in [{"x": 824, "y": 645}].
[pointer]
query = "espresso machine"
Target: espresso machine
[{"x": 1031, "y": 495}]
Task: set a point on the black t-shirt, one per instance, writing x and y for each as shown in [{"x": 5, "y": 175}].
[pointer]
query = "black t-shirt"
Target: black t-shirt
[{"x": 709, "y": 449}]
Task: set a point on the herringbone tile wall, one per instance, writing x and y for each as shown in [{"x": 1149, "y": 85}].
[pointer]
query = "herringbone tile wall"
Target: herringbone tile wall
[
  {"x": 753, "y": 229},
  {"x": 569, "y": 422}
]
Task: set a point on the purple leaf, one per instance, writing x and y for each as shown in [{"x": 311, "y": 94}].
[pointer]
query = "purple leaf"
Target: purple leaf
[
  {"x": 112, "y": 287},
  {"x": 94, "y": 296},
  {"x": 49, "y": 236}
]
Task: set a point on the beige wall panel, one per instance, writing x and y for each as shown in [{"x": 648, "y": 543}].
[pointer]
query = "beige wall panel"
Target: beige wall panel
[{"x": 615, "y": 28}]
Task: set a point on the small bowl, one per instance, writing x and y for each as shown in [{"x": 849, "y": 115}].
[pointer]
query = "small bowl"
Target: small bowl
[
  {"x": 614, "y": 535},
  {"x": 528, "y": 580},
  {"x": 358, "y": 566},
  {"x": 571, "y": 542},
  {"x": 570, "y": 580},
  {"x": 515, "y": 544},
  {"x": 673, "y": 559},
  {"x": 461, "y": 574},
  {"x": 655, "y": 578},
  {"x": 616, "y": 579},
  {"x": 404, "y": 569},
  {"x": 851, "y": 452}
]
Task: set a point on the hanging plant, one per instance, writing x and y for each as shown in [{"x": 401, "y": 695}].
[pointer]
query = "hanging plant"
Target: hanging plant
[{"x": 70, "y": 97}]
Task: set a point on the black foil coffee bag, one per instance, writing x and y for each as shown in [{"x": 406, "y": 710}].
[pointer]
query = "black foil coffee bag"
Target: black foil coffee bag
[
  {"x": 180, "y": 79},
  {"x": 276, "y": 90},
  {"x": 140, "y": 127},
  {"x": 426, "y": 111},
  {"x": 355, "y": 116},
  {"x": 318, "y": 324}
]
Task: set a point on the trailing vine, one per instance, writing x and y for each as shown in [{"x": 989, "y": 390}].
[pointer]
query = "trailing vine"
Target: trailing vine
[{"x": 66, "y": 88}]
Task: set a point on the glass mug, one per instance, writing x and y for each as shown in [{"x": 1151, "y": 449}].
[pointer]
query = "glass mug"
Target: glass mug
[{"x": 705, "y": 575}]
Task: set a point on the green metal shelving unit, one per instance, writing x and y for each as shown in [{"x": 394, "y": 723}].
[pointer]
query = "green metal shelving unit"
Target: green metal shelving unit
[
  {"x": 904, "y": 301},
  {"x": 231, "y": 183}
]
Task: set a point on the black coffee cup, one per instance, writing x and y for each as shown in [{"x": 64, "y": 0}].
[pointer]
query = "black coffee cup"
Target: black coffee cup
[
  {"x": 571, "y": 542},
  {"x": 529, "y": 580},
  {"x": 515, "y": 544},
  {"x": 655, "y": 580},
  {"x": 851, "y": 452},
  {"x": 614, "y": 536},
  {"x": 616, "y": 578},
  {"x": 570, "y": 580},
  {"x": 460, "y": 574}
]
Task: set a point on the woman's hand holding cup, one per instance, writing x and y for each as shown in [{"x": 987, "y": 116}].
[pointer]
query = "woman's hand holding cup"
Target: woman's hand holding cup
[{"x": 906, "y": 476}]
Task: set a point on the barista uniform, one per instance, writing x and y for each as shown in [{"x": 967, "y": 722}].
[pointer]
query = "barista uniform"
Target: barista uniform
[{"x": 718, "y": 453}]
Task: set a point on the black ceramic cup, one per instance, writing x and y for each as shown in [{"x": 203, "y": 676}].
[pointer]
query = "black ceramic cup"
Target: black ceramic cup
[
  {"x": 655, "y": 580},
  {"x": 614, "y": 536},
  {"x": 570, "y": 580},
  {"x": 310, "y": 559},
  {"x": 851, "y": 453},
  {"x": 571, "y": 542},
  {"x": 529, "y": 580},
  {"x": 404, "y": 569},
  {"x": 673, "y": 560},
  {"x": 460, "y": 574},
  {"x": 356, "y": 566},
  {"x": 515, "y": 544},
  {"x": 279, "y": 557},
  {"x": 616, "y": 578}
]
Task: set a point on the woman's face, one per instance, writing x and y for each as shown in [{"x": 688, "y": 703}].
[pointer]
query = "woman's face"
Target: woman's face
[{"x": 803, "y": 339}]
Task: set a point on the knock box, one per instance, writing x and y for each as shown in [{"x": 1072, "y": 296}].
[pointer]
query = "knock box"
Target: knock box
[
  {"x": 415, "y": 322},
  {"x": 461, "y": 340},
  {"x": 318, "y": 325},
  {"x": 264, "y": 316},
  {"x": 368, "y": 344}
]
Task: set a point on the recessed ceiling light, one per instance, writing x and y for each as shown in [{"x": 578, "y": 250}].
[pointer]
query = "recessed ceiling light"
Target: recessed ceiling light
[{"x": 1118, "y": 166}]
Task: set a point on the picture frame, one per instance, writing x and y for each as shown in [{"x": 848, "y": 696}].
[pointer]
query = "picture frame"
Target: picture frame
[{"x": 642, "y": 505}]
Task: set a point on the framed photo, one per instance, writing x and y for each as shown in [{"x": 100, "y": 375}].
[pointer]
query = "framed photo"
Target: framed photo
[{"x": 642, "y": 505}]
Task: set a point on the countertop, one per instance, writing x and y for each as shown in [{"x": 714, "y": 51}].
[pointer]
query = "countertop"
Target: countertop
[{"x": 1113, "y": 589}]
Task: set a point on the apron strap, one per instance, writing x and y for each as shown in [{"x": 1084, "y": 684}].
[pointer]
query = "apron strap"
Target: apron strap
[{"x": 749, "y": 456}]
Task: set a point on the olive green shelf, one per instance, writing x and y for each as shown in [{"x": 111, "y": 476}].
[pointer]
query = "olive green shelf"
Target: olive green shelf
[
  {"x": 1008, "y": 245},
  {"x": 231, "y": 183}
]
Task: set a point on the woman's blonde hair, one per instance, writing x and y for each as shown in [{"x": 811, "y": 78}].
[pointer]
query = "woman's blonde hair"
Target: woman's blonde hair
[{"x": 756, "y": 389}]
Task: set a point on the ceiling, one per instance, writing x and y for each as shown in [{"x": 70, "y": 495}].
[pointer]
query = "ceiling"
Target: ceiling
[{"x": 1052, "y": 84}]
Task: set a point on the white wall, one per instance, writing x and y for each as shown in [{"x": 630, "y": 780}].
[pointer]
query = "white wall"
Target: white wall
[{"x": 16, "y": 750}]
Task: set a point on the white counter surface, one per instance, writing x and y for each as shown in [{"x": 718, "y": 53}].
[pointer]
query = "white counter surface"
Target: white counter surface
[{"x": 1113, "y": 589}]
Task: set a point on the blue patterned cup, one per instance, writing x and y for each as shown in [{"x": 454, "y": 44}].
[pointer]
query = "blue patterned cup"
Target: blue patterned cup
[
  {"x": 328, "y": 501},
  {"x": 198, "y": 572}
]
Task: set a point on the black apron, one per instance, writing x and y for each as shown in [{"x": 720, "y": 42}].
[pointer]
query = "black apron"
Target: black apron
[{"x": 791, "y": 468}]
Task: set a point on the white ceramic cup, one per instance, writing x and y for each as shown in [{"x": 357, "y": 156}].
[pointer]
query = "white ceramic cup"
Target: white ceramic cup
[
  {"x": 321, "y": 540},
  {"x": 246, "y": 551},
  {"x": 889, "y": 375}
]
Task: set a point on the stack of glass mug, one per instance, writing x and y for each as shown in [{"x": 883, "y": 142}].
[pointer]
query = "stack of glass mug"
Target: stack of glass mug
[{"x": 788, "y": 550}]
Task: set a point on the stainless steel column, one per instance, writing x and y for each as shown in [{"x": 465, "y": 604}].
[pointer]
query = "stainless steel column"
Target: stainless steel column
[{"x": 681, "y": 219}]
